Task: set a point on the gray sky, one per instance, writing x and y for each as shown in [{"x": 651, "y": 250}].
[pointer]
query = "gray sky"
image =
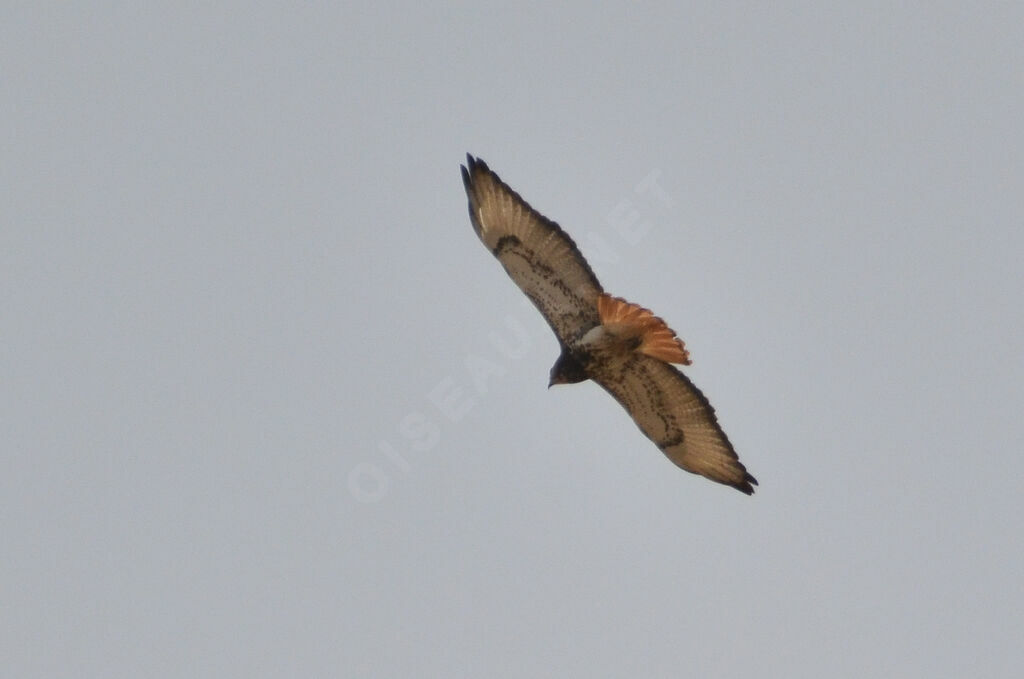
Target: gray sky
[{"x": 270, "y": 408}]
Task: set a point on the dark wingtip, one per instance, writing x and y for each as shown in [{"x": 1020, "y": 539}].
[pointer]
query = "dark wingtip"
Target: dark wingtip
[
  {"x": 475, "y": 164},
  {"x": 747, "y": 485},
  {"x": 472, "y": 167},
  {"x": 469, "y": 169}
]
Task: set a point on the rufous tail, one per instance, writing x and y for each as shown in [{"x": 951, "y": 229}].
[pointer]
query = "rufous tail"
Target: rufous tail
[{"x": 656, "y": 338}]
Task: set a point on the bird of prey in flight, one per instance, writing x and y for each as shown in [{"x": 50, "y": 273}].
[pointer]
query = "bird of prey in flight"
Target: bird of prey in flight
[{"x": 622, "y": 346}]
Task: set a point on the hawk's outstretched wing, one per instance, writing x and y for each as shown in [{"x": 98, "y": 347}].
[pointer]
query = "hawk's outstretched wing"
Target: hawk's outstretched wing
[
  {"x": 541, "y": 258},
  {"x": 674, "y": 414}
]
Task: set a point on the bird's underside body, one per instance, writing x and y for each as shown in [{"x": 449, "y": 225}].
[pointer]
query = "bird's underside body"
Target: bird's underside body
[{"x": 621, "y": 346}]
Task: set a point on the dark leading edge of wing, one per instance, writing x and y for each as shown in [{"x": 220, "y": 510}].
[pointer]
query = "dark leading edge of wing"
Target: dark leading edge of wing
[{"x": 537, "y": 254}]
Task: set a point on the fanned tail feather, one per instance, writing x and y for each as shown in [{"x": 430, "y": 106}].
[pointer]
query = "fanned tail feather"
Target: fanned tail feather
[{"x": 656, "y": 338}]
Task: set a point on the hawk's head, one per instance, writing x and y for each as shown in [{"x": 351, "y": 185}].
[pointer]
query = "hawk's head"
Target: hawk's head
[{"x": 568, "y": 369}]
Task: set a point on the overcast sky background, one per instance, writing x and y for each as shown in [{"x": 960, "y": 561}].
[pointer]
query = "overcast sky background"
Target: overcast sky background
[{"x": 271, "y": 409}]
